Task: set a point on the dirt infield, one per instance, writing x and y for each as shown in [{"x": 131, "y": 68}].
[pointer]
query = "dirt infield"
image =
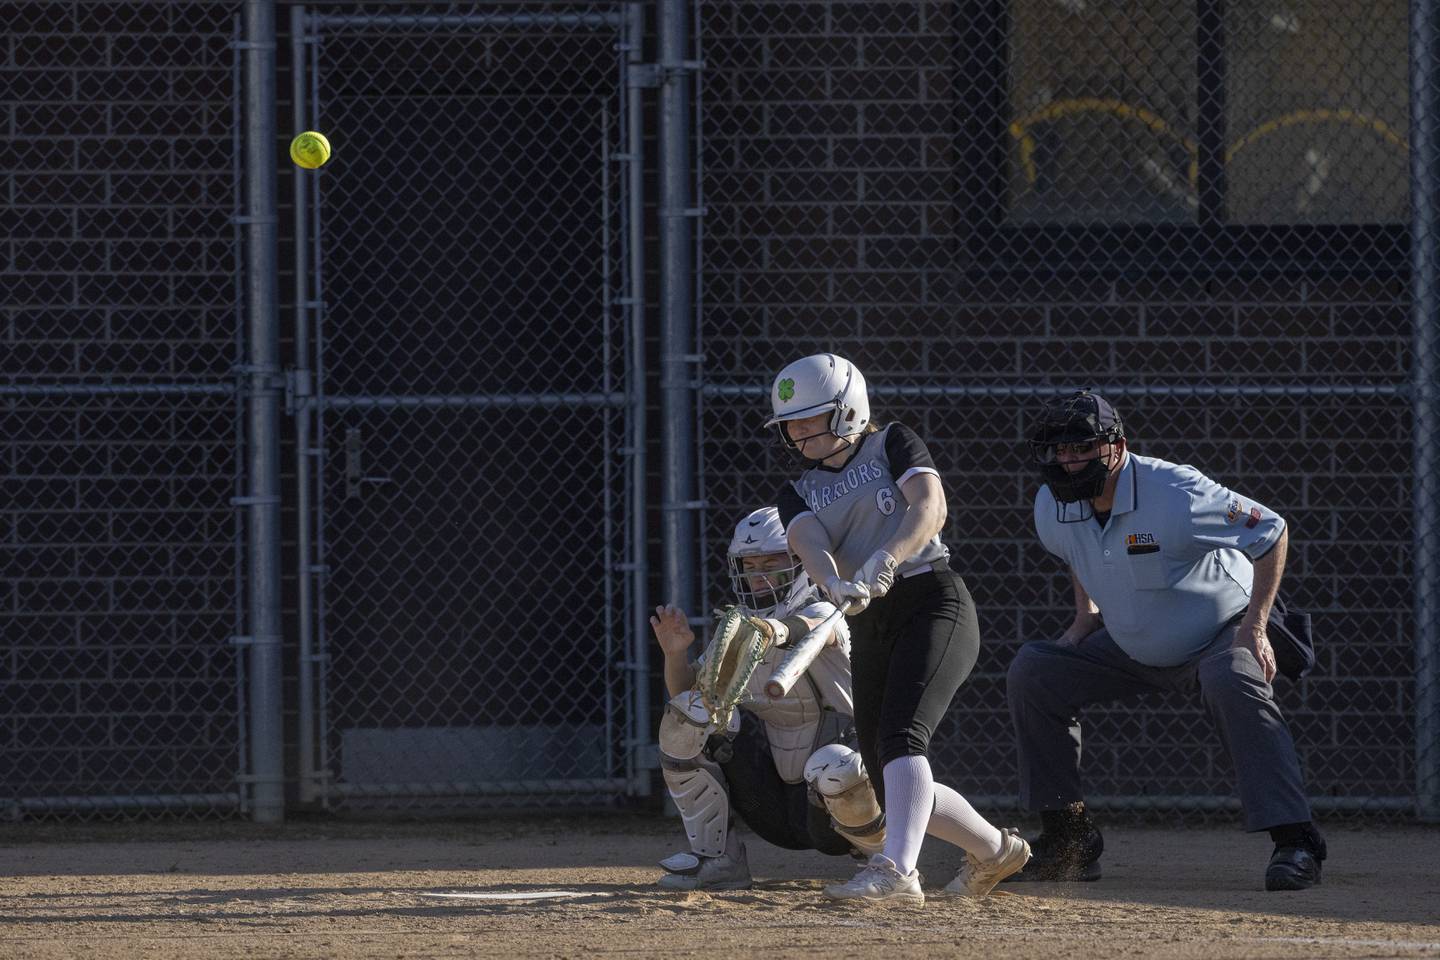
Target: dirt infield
[{"x": 362, "y": 890}]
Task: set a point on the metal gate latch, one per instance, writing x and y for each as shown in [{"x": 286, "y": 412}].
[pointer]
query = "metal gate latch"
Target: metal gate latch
[{"x": 354, "y": 474}]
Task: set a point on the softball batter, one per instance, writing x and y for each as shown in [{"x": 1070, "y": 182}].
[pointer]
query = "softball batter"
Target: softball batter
[{"x": 865, "y": 517}]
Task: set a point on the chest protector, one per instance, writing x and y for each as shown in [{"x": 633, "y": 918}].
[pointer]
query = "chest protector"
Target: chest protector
[{"x": 812, "y": 713}]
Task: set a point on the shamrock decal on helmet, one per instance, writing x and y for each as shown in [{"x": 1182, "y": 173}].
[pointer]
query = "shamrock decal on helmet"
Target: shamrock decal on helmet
[{"x": 787, "y": 389}]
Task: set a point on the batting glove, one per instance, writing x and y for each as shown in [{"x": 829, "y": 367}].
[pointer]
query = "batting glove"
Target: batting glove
[
  {"x": 847, "y": 595},
  {"x": 878, "y": 573}
]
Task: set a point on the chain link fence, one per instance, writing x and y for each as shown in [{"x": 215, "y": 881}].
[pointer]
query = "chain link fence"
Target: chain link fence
[
  {"x": 1224, "y": 216},
  {"x": 120, "y": 423},
  {"x": 474, "y": 408},
  {"x": 1202, "y": 210}
]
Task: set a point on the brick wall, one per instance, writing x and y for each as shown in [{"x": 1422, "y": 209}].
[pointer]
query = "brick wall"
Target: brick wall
[
  {"x": 860, "y": 182},
  {"x": 118, "y": 543}
]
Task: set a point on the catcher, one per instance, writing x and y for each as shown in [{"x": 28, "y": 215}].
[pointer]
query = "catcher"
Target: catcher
[{"x": 725, "y": 742}]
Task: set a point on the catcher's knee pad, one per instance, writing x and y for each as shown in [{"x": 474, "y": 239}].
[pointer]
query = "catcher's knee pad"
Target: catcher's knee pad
[
  {"x": 685, "y": 726},
  {"x": 838, "y": 775}
]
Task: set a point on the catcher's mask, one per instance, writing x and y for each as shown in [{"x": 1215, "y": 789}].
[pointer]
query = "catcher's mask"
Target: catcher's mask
[
  {"x": 763, "y": 571},
  {"x": 1075, "y": 429},
  {"x": 763, "y": 581}
]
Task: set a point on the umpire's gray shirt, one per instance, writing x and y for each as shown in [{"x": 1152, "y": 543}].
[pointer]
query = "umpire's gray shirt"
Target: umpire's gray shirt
[
  {"x": 1173, "y": 563},
  {"x": 860, "y": 503}
]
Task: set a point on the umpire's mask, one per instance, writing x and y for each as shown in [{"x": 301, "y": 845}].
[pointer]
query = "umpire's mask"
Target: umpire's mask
[{"x": 1070, "y": 428}]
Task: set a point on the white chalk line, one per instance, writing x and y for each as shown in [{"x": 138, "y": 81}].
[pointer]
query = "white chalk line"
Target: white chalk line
[{"x": 523, "y": 895}]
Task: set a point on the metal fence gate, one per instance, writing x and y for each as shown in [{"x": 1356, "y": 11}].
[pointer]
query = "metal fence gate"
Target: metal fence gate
[{"x": 468, "y": 397}]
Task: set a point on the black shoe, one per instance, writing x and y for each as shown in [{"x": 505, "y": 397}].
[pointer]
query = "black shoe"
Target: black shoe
[
  {"x": 1069, "y": 856},
  {"x": 1294, "y": 867}
]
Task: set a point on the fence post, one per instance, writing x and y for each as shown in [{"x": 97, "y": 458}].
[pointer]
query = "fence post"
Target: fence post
[
  {"x": 305, "y": 697},
  {"x": 677, "y": 437},
  {"x": 1425, "y": 312},
  {"x": 639, "y": 647},
  {"x": 1425, "y": 302},
  {"x": 263, "y": 387}
]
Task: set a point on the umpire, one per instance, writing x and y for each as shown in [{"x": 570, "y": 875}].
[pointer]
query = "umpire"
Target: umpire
[{"x": 1174, "y": 578}]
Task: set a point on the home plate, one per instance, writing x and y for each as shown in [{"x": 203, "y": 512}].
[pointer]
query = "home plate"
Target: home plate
[{"x": 522, "y": 895}]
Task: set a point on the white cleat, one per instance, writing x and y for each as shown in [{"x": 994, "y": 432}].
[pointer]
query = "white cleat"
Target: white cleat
[
  {"x": 879, "y": 880},
  {"x": 978, "y": 877},
  {"x": 689, "y": 871}
]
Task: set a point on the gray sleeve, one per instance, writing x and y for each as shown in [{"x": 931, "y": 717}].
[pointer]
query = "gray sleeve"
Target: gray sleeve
[
  {"x": 1218, "y": 518},
  {"x": 1045, "y": 522}
]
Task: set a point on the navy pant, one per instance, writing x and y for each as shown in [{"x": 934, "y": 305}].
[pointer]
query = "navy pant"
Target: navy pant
[
  {"x": 780, "y": 813},
  {"x": 1048, "y": 685}
]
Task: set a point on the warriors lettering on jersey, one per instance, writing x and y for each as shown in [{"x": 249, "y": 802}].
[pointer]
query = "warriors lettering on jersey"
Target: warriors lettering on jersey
[
  {"x": 861, "y": 505},
  {"x": 853, "y": 478}
]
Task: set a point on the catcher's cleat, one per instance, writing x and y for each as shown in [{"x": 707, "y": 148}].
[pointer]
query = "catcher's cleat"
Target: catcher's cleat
[
  {"x": 1067, "y": 856},
  {"x": 690, "y": 871},
  {"x": 978, "y": 877},
  {"x": 1295, "y": 866},
  {"x": 879, "y": 881}
]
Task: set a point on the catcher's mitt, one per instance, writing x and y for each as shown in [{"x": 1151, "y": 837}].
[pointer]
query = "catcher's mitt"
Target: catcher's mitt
[{"x": 736, "y": 648}]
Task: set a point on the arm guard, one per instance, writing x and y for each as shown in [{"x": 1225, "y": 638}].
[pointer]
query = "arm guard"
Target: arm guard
[{"x": 801, "y": 655}]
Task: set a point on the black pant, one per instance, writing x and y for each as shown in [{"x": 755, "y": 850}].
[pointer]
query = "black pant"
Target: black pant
[
  {"x": 779, "y": 812},
  {"x": 909, "y": 652}
]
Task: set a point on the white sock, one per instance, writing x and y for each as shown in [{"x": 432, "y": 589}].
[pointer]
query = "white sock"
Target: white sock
[
  {"x": 955, "y": 821},
  {"x": 909, "y": 798}
]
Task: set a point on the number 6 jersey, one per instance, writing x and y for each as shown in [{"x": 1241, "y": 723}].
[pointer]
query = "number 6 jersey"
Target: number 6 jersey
[{"x": 860, "y": 504}]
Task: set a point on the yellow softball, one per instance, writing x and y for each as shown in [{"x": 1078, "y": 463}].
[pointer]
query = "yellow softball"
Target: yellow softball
[{"x": 310, "y": 150}]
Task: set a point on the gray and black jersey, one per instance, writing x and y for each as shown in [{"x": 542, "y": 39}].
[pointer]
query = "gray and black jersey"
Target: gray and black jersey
[{"x": 860, "y": 504}]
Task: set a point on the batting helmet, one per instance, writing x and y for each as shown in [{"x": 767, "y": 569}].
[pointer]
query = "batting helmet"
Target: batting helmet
[{"x": 814, "y": 385}]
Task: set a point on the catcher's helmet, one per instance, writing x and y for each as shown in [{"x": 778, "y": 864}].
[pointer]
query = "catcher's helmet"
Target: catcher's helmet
[
  {"x": 761, "y": 534},
  {"x": 1082, "y": 418}
]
